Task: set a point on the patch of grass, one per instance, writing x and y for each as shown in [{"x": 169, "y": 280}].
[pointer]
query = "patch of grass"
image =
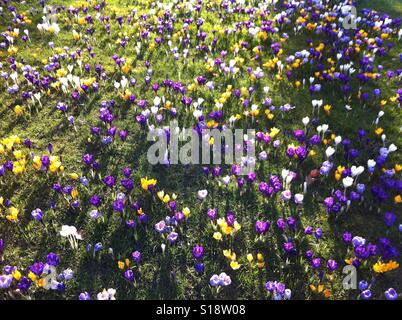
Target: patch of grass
[{"x": 171, "y": 275}]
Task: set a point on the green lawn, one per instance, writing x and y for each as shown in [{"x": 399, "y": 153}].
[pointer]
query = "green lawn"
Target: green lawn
[{"x": 171, "y": 275}]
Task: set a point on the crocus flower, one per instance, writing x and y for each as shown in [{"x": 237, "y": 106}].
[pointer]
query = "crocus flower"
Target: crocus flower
[
  {"x": 199, "y": 267},
  {"x": 212, "y": 213},
  {"x": 363, "y": 285},
  {"x": 68, "y": 274},
  {"x": 52, "y": 259},
  {"x": 2, "y": 245},
  {"x": 332, "y": 265},
  {"x": 214, "y": 281},
  {"x": 108, "y": 294},
  {"x": 84, "y": 296},
  {"x": 37, "y": 268},
  {"x": 160, "y": 226},
  {"x": 95, "y": 200},
  {"x": 109, "y": 181},
  {"x": 37, "y": 214},
  {"x": 224, "y": 279},
  {"x": 70, "y": 232},
  {"x": 129, "y": 275},
  {"x": 262, "y": 226},
  {"x": 389, "y": 218},
  {"x": 202, "y": 194},
  {"x": 172, "y": 237},
  {"x": 391, "y": 294},
  {"x": 366, "y": 295},
  {"x": 136, "y": 256},
  {"x": 5, "y": 281}
]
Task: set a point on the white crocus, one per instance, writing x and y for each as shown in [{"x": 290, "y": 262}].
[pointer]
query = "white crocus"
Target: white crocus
[
  {"x": 285, "y": 173},
  {"x": 338, "y": 140},
  {"x": 347, "y": 182},
  {"x": 70, "y": 232},
  {"x": 289, "y": 179},
  {"x": 317, "y": 103},
  {"x": 157, "y": 101},
  {"x": 329, "y": 152},
  {"x": 14, "y": 77},
  {"x": 124, "y": 82},
  {"x": 356, "y": 171},
  {"x": 197, "y": 113},
  {"x": 202, "y": 194},
  {"x": 154, "y": 109},
  {"x": 379, "y": 116},
  {"x": 392, "y": 148},
  {"x": 37, "y": 96},
  {"x": 108, "y": 294},
  {"x": 371, "y": 163},
  {"x": 299, "y": 198}
]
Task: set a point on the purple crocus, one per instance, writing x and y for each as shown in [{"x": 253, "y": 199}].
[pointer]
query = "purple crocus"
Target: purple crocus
[
  {"x": 84, "y": 296},
  {"x": 332, "y": 265},
  {"x": 212, "y": 213},
  {"x": 129, "y": 275},
  {"x": 136, "y": 256},
  {"x": 172, "y": 237},
  {"x": 262, "y": 226},
  {"x": 52, "y": 259},
  {"x": 37, "y": 268},
  {"x": 24, "y": 284},
  {"x": 198, "y": 252},
  {"x": 128, "y": 184},
  {"x": 5, "y": 281},
  {"x": 316, "y": 263},
  {"x": 37, "y": 214},
  {"x": 389, "y": 218},
  {"x": 109, "y": 181}
]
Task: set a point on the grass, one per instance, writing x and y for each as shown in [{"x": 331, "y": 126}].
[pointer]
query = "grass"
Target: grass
[{"x": 171, "y": 275}]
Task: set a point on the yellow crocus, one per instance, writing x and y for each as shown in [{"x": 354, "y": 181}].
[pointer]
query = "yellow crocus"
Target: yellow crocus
[
  {"x": 381, "y": 267},
  {"x": 32, "y": 276},
  {"x": 217, "y": 236},
  {"x": 227, "y": 253},
  {"x": 19, "y": 111},
  {"x": 379, "y": 131},
  {"x": 74, "y": 193},
  {"x": 235, "y": 265},
  {"x": 160, "y": 194},
  {"x": 186, "y": 212},
  {"x": 74, "y": 176},
  {"x": 12, "y": 214},
  {"x": 166, "y": 198},
  {"x": 16, "y": 274}
]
